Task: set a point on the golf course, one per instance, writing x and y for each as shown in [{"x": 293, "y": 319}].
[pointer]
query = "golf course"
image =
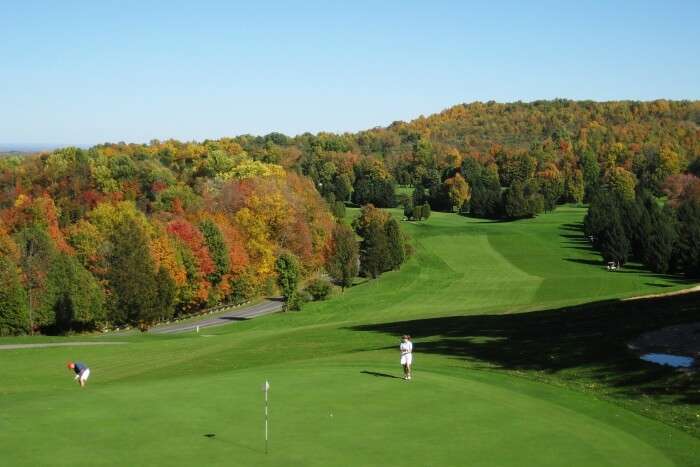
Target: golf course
[{"x": 520, "y": 339}]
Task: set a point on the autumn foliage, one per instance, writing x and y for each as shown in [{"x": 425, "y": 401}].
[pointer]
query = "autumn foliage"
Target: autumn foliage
[{"x": 208, "y": 221}]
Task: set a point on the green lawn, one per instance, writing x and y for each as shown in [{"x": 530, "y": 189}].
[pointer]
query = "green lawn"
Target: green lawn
[{"x": 551, "y": 384}]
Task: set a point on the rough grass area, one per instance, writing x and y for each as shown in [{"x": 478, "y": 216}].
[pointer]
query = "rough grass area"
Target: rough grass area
[{"x": 521, "y": 359}]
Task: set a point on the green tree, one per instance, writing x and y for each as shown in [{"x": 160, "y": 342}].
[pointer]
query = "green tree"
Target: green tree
[
  {"x": 408, "y": 208},
  {"x": 14, "y": 316},
  {"x": 132, "y": 276},
  {"x": 73, "y": 295},
  {"x": 552, "y": 188},
  {"x": 425, "y": 211},
  {"x": 342, "y": 187},
  {"x": 417, "y": 213},
  {"x": 522, "y": 200},
  {"x": 659, "y": 245},
  {"x": 374, "y": 251},
  {"x": 36, "y": 254},
  {"x": 591, "y": 174},
  {"x": 343, "y": 261},
  {"x": 574, "y": 187},
  {"x": 514, "y": 201},
  {"x": 688, "y": 248},
  {"x": 397, "y": 254},
  {"x": 614, "y": 245},
  {"x": 418, "y": 195},
  {"x": 288, "y": 274},
  {"x": 338, "y": 209},
  {"x": 373, "y": 184},
  {"x": 217, "y": 249},
  {"x": 621, "y": 182}
]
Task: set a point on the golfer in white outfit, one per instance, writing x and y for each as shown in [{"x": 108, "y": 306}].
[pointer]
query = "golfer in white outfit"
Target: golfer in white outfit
[{"x": 406, "y": 349}]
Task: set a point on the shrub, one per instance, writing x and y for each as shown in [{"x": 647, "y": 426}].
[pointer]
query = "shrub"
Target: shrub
[{"x": 319, "y": 289}]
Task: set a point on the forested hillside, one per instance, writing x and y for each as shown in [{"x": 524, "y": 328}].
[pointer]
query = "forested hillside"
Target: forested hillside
[
  {"x": 127, "y": 233},
  {"x": 137, "y": 234}
]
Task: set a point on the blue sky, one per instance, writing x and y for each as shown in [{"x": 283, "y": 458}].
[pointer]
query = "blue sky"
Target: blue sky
[{"x": 89, "y": 72}]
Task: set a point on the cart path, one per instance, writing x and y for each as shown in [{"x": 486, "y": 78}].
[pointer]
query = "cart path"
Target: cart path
[
  {"x": 239, "y": 314},
  {"x": 667, "y": 294},
  {"x": 55, "y": 344}
]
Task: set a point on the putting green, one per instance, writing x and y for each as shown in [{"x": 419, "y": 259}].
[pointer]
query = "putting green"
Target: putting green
[
  {"x": 328, "y": 415},
  {"x": 154, "y": 400}
]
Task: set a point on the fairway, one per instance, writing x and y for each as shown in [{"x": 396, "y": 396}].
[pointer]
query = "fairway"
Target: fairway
[{"x": 335, "y": 396}]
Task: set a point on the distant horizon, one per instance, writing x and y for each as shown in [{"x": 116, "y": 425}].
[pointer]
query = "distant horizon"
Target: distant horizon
[{"x": 28, "y": 147}]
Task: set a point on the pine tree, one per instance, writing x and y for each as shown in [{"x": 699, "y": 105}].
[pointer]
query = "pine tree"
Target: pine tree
[
  {"x": 397, "y": 254},
  {"x": 132, "y": 276},
  {"x": 374, "y": 251},
  {"x": 343, "y": 260},
  {"x": 75, "y": 297},
  {"x": 614, "y": 244},
  {"x": 14, "y": 317},
  {"x": 688, "y": 249}
]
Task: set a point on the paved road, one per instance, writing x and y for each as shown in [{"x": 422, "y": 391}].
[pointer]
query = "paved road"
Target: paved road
[
  {"x": 54, "y": 344},
  {"x": 238, "y": 314}
]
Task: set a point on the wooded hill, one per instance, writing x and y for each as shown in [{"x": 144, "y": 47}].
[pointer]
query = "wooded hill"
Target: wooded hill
[{"x": 127, "y": 233}]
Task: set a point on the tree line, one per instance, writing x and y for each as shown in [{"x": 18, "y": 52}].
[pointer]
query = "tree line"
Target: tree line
[
  {"x": 206, "y": 223},
  {"x": 664, "y": 236},
  {"x": 498, "y": 160},
  {"x": 136, "y": 234}
]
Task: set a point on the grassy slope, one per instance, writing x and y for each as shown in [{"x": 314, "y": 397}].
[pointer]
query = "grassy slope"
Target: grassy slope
[{"x": 152, "y": 401}]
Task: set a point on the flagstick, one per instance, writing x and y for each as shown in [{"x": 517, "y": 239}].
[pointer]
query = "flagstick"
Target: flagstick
[{"x": 267, "y": 387}]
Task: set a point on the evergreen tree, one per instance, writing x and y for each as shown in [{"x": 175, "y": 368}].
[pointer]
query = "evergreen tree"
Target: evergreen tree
[
  {"x": 659, "y": 244},
  {"x": 14, "y": 317},
  {"x": 486, "y": 201},
  {"x": 395, "y": 241},
  {"x": 688, "y": 248},
  {"x": 597, "y": 218},
  {"x": 132, "y": 276},
  {"x": 73, "y": 295},
  {"x": 288, "y": 273},
  {"x": 374, "y": 251},
  {"x": 343, "y": 260},
  {"x": 614, "y": 245}
]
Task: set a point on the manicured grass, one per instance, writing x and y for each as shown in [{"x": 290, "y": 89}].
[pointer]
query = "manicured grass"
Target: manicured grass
[{"x": 492, "y": 387}]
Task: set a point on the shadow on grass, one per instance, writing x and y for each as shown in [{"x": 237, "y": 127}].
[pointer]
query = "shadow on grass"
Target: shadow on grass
[
  {"x": 383, "y": 375},
  {"x": 590, "y": 262},
  {"x": 584, "y": 343}
]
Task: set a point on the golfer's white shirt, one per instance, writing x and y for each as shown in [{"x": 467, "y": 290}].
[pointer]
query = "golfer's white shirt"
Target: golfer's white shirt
[{"x": 406, "y": 353}]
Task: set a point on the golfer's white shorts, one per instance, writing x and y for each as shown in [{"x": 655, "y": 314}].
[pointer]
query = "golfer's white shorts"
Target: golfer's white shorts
[
  {"x": 85, "y": 375},
  {"x": 407, "y": 359}
]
